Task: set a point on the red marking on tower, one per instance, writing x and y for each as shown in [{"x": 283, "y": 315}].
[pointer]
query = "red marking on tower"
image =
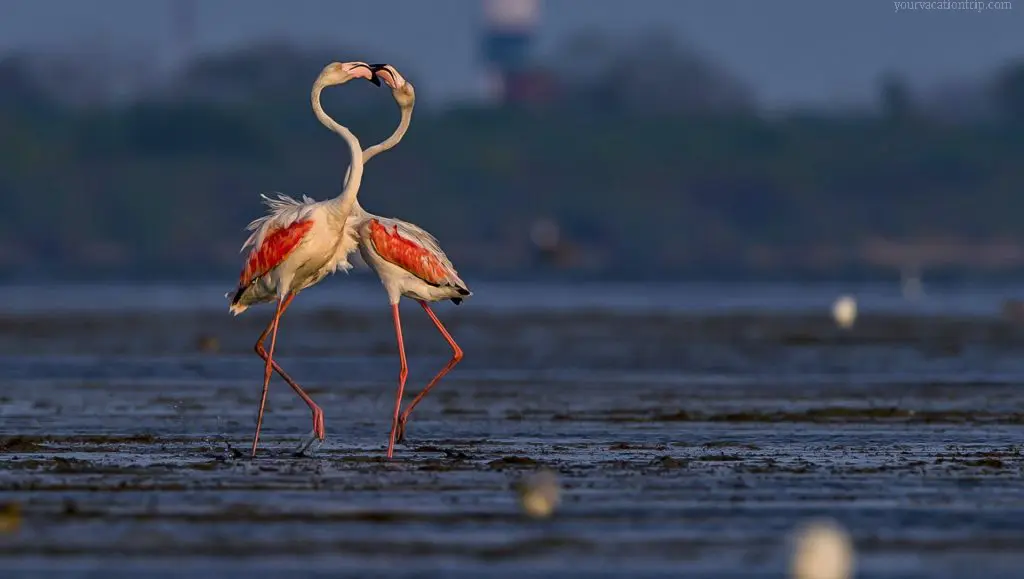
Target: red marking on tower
[
  {"x": 407, "y": 254},
  {"x": 276, "y": 246}
]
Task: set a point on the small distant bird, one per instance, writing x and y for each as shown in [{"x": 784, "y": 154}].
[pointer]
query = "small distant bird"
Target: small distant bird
[
  {"x": 408, "y": 260},
  {"x": 295, "y": 245},
  {"x": 539, "y": 494},
  {"x": 10, "y": 518},
  {"x": 823, "y": 550},
  {"x": 844, "y": 312},
  {"x": 208, "y": 344},
  {"x": 910, "y": 283},
  {"x": 1013, "y": 310}
]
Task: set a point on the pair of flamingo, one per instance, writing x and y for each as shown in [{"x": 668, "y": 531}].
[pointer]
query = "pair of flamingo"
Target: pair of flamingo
[{"x": 298, "y": 243}]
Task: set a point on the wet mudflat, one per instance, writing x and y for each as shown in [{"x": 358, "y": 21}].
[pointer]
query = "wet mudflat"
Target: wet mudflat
[{"x": 687, "y": 445}]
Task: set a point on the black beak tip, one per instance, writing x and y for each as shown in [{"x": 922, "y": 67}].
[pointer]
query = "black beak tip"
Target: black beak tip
[{"x": 375, "y": 80}]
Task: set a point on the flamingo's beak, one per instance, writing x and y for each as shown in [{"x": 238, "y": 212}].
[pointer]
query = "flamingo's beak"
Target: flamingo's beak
[
  {"x": 369, "y": 73},
  {"x": 376, "y": 68}
]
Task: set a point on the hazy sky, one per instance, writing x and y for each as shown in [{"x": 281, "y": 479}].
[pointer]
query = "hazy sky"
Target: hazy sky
[{"x": 790, "y": 51}]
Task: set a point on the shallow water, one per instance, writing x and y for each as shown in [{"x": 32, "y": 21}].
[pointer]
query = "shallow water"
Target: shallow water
[{"x": 689, "y": 442}]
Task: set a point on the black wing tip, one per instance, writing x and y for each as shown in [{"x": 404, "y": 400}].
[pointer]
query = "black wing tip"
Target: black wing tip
[
  {"x": 462, "y": 292},
  {"x": 238, "y": 294}
]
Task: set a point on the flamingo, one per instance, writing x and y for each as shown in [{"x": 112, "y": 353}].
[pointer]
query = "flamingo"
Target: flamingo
[
  {"x": 294, "y": 245},
  {"x": 406, "y": 258}
]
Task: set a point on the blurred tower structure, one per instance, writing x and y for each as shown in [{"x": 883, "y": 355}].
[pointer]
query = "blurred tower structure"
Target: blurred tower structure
[{"x": 509, "y": 29}]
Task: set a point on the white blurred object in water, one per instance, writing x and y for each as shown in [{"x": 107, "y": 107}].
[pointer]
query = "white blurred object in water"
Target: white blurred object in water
[
  {"x": 844, "y": 312},
  {"x": 539, "y": 494},
  {"x": 823, "y": 550}
]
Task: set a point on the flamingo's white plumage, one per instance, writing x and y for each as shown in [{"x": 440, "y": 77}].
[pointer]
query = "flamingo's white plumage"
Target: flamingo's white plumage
[
  {"x": 294, "y": 246},
  {"x": 408, "y": 259}
]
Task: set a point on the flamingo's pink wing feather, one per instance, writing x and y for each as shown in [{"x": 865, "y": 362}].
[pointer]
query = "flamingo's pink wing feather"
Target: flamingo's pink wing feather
[
  {"x": 407, "y": 254},
  {"x": 276, "y": 246}
]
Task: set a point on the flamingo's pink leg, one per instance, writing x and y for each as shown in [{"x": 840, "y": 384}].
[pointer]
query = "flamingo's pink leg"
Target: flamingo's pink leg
[
  {"x": 456, "y": 358},
  {"x": 318, "y": 414},
  {"x": 402, "y": 374},
  {"x": 268, "y": 357}
]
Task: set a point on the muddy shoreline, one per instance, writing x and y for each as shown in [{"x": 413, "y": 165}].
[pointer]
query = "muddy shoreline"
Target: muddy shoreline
[{"x": 685, "y": 443}]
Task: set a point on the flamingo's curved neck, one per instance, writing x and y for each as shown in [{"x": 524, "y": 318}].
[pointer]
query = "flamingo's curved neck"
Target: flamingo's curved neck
[
  {"x": 390, "y": 142},
  {"x": 345, "y": 201},
  {"x": 394, "y": 139}
]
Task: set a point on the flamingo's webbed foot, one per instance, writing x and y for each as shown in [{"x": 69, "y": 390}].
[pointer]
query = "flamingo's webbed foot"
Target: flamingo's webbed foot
[
  {"x": 310, "y": 445},
  {"x": 400, "y": 430}
]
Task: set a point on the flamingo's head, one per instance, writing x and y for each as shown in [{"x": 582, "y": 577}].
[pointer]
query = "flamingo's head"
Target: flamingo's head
[
  {"x": 402, "y": 89},
  {"x": 342, "y": 72}
]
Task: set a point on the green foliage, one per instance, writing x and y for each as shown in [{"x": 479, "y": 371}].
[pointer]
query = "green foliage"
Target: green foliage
[
  {"x": 688, "y": 190},
  {"x": 140, "y": 174},
  {"x": 1008, "y": 91},
  {"x": 165, "y": 131}
]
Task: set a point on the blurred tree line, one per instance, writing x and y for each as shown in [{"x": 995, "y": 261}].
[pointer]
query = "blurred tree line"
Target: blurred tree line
[{"x": 651, "y": 166}]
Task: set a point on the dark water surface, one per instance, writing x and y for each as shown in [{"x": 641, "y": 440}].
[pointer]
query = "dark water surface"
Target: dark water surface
[{"x": 690, "y": 439}]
